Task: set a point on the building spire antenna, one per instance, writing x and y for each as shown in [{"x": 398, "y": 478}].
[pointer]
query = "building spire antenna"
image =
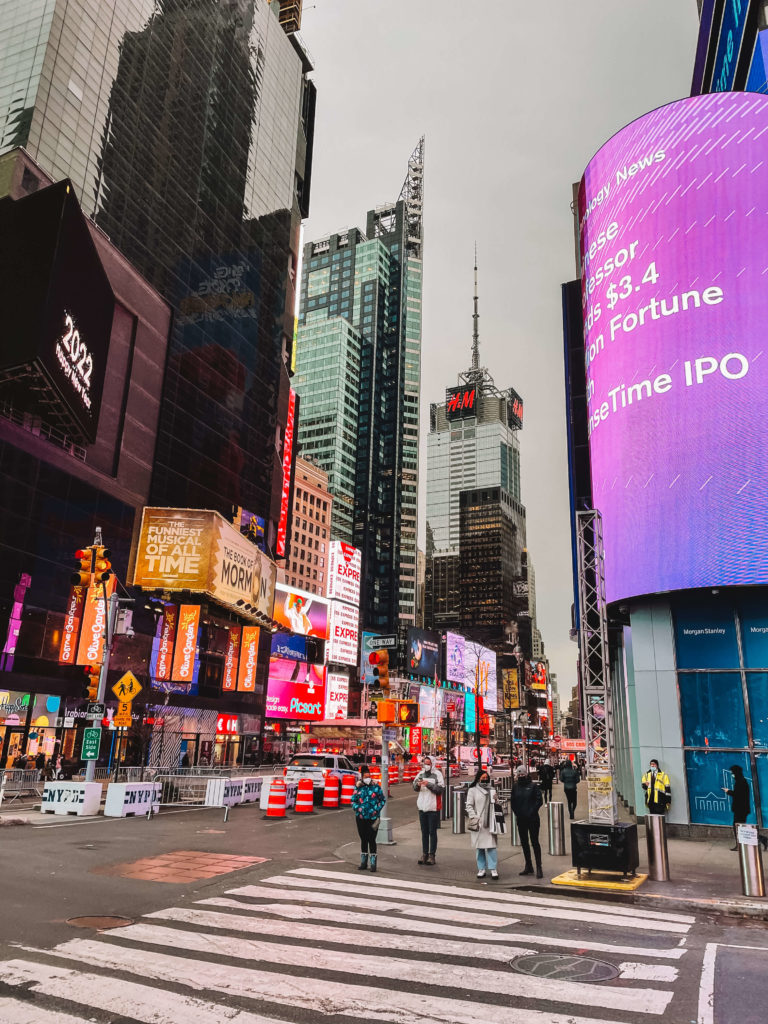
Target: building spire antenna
[{"x": 476, "y": 325}]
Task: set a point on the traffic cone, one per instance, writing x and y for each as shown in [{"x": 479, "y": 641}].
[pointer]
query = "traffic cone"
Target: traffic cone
[
  {"x": 347, "y": 789},
  {"x": 394, "y": 773},
  {"x": 331, "y": 791},
  {"x": 276, "y": 802},
  {"x": 305, "y": 797}
]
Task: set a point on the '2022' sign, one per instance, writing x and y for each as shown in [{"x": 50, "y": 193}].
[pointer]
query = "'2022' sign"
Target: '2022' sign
[{"x": 75, "y": 360}]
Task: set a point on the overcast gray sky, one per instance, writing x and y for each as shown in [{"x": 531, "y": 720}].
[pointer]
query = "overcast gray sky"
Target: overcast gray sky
[{"x": 514, "y": 97}]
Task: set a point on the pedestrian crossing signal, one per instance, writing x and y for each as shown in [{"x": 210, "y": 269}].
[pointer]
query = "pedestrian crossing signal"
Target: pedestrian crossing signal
[{"x": 408, "y": 712}]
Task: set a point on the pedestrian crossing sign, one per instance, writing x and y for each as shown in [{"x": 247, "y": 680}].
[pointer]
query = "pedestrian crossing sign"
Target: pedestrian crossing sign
[{"x": 127, "y": 687}]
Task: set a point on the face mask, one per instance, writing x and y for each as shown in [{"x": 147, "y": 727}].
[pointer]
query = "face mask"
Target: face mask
[
  {"x": 367, "y": 781},
  {"x": 653, "y": 768}
]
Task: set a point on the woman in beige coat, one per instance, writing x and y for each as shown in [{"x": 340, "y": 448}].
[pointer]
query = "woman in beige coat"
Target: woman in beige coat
[{"x": 481, "y": 799}]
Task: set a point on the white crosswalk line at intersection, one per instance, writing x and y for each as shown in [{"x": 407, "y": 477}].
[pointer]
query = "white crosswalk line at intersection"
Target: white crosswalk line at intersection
[
  {"x": 263, "y": 954},
  {"x": 454, "y": 904},
  {"x": 493, "y": 896}
]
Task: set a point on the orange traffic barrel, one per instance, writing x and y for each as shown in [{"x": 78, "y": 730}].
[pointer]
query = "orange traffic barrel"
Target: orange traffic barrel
[
  {"x": 331, "y": 791},
  {"x": 276, "y": 802},
  {"x": 305, "y": 797},
  {"x": 394, "y": 773},
  {"x": 347, "y": 789}
]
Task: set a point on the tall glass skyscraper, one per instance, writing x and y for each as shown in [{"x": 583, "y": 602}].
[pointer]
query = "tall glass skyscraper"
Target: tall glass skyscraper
[
  {"x": 361, "y": 307},
  {"x": 473, "y": 447},
  {"x": 186, "y": 128}
]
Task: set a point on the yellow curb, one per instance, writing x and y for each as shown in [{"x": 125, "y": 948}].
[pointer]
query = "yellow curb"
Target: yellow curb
[{"x": 600, "y": 880}]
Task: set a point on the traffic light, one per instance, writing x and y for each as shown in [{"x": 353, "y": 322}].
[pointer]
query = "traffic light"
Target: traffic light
[
  {"x": 408, "y": 712},
  {"x": 380, "y": 662},
  {"x": 91, "y": 688},
  {"x": 82, "y": 577},
  {"x": 102, "y": 567}
]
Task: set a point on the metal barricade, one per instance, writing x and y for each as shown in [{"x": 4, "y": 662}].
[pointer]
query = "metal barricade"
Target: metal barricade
[
  {"x": 19, "y": 782},
  {"x": 183, "y": 790},
  {"x": 459, "y": 802},
  {"x": 556, "y": 815},
  {"x": 656, "y": 842}
]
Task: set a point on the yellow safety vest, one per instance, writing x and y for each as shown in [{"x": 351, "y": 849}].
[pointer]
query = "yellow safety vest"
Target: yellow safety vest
[{"x": 661, "y": 788}]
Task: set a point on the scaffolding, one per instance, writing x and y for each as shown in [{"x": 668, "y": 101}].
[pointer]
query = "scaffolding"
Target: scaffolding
[{"x": 595, "y": 672}]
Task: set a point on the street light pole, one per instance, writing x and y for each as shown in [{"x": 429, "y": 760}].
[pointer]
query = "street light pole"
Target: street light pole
[{"x": 110, "y": 625}]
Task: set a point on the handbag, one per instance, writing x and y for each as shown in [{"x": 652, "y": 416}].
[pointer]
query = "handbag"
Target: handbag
[
  {"x": 499, "y": 820},
  {"x": 439, "y": 802}
]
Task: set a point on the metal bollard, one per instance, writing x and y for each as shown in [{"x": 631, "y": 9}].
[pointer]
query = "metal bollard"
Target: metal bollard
[
  {"x": 556, "y": 815},
  {"x": 459, "y": 810},
  {"x": 656, "y": 841},
  {"x": 514, "y": 832},
  {"x": 751, "y": 863},
  {"x": 445, "y": 809}
]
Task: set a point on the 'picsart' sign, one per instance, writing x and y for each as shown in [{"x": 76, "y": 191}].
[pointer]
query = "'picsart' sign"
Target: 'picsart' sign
[{"x": 675, "y": 301}]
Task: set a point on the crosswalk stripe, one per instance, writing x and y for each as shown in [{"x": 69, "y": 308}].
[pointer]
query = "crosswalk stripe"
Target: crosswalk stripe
[
  {"x": 364, "y": 1001},
  {"x": 495, "y": 896},
  {"x": 341, "y": 936},
  {"x": 648, "y": 972},
  {"x": 138, "y": 1002},
  {"x": 334, "y": 914},
  {"x": 521, "y": 907},
  {"x": 14, "y": 1011},
  {"x": 393, "y": 968},
  {"x": 436, "y": 913}
]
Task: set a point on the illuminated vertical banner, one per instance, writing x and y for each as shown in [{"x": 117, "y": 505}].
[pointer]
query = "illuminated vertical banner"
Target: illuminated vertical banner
[
  {"x": 168, "y": 625},
  {"x": 93, "y": 633},
  {"x": 186, "y": 643},
  {"x": 282, "y": 528},
  {"x": 232, "y": 659},
  {"x": 249, "y": 654},
  {"x": 71, "y": 630}
]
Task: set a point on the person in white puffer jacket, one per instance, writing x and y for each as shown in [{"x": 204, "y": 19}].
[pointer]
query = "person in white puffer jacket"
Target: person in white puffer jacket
[{"x": 429, "y": 784}]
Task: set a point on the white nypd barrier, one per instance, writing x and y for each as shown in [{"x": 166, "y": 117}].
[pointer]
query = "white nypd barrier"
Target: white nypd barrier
[
  {"x": 252, "y": 789},
  {"x": 291, "y": 788},
  {"x": 224, "y": 792},
  {"x": 71, "y": 798},
  {"x": 125, "y": 799}
]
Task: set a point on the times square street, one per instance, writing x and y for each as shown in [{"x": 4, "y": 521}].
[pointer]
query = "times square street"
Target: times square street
[{"x": 254, "y": 920}]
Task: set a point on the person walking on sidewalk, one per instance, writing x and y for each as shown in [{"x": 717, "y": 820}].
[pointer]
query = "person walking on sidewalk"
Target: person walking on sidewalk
[
  {"x": 658, "y": 793},
  {"x": 525, "y": 802},
  {"x": 569, "y": 777},
  {"x": 546, "y": 778},
  {"x": 740, "y": 802},
  {"x": 367, "y": 802},
  {"x": 481, "y": 811},
  {"x": 429, "y": 784}
]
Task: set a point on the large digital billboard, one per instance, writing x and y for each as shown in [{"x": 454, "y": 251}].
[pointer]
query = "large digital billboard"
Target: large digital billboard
[
  {"x": 343, "y": 635},
  {"x": 301, "y": 612},
  {"x": 295, "y": 689},
  {"x": 344, "y": 571},
  {"x": 675, "y": 300},
  {"x": 423, "y": 652},
  {"x": 455, "y": 647},
  {"x": 480, "y": 673}
]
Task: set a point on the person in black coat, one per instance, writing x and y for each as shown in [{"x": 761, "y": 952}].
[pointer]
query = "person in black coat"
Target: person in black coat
[
  {"x": 525, "y": 802},
  {"x": 740, "y": 802},
  {"x": 546, "y": 778}
]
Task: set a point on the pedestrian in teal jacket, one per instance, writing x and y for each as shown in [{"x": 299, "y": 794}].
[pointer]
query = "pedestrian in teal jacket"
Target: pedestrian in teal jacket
[{"x": 367, "y": 802}]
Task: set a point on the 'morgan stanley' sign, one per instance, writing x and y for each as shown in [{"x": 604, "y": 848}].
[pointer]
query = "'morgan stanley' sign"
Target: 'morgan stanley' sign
[{"x": 199, "y": 551}]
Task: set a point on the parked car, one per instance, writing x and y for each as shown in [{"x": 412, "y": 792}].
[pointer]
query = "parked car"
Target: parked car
[{"x": 316, "y": 767}]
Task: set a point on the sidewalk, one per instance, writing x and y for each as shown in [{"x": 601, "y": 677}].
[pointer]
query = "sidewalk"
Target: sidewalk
[{"x": 704, "y": 876}]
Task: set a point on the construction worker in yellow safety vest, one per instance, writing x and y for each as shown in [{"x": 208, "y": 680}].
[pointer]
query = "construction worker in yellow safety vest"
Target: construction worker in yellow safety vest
[{"x": 658, "y": 794}]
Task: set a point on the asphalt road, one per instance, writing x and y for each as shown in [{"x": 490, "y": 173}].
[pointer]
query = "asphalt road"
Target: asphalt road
[{"x": 302, "y": 936}]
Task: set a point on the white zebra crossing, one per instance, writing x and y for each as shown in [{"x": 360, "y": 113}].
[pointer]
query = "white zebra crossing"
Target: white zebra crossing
[{"x": 290, "y": 944}]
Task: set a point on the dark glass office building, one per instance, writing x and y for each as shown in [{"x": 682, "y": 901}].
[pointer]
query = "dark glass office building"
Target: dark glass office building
[
  {"x": 361, "y": 296},
  {"x": 185, "y": 129}
]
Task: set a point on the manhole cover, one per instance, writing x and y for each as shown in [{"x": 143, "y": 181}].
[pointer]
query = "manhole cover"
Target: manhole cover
[
  {"x": 100, "y": 922},
  {"x": 564, "y": 968}
]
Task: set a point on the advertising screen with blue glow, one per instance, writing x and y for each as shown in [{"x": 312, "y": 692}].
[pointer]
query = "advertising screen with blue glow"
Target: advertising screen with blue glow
[{"x": 674, "y": 249}]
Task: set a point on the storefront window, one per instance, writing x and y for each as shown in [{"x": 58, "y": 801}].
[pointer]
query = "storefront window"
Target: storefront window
[
  {"x": 712, "y": 706},
  {"x": 757, "y": 689},
  {"x": 761, "y": 761},
  {"x": 706, "y": 637},
  {"x": 708, "y": 773},
  {"x": 754, "y": 638}
]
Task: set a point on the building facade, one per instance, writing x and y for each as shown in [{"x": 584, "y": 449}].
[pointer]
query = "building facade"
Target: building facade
[
  {"x": 372, "y": 282},
  {"x": 311, "y": 527},
  {"x": 184, "y": 128}
]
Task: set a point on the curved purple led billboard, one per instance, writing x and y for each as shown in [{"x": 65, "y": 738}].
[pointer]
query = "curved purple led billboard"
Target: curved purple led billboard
[{"x": 673, "y": 218}]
